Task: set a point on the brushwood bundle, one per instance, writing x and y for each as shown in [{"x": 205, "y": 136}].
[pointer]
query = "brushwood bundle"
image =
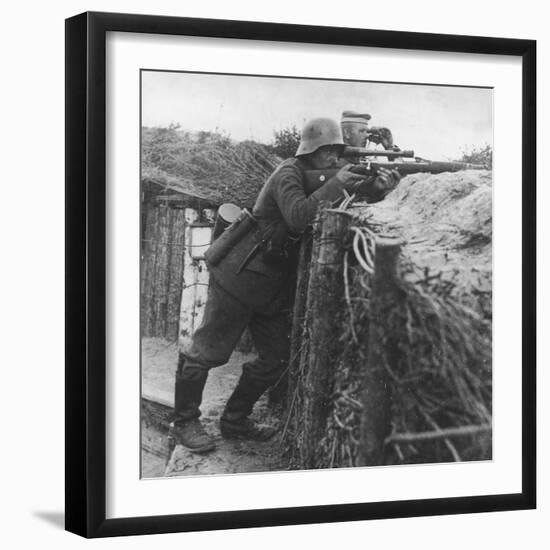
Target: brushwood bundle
[{"x": 205, "y": 164}]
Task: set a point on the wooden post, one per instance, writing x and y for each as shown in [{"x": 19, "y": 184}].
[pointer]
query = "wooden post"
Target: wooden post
[
  {"x": 148, "y": 271},
  {"x": 188, "y": 294},
  {"x": 161, "y": 271},
  {"x": 324, "y": 309},
  {"x": 386, "y": 296},
  {"x": 175, "y": 284}
]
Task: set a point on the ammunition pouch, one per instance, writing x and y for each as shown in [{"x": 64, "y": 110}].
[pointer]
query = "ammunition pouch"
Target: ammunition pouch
[{"x": 237, "y": 260}]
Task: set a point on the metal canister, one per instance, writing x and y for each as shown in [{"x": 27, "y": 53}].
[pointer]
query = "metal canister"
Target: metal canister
[
  {"x": 227, "y": 214},
  {"x": 221, "y": 246}
]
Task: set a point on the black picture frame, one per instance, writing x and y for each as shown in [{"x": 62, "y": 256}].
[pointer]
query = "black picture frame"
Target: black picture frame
[{"x": 86, "y": 273}]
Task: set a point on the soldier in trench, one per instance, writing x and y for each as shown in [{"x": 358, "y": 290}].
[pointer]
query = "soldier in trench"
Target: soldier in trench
[
  {"x": 355, "y": 128},
  {"x": 252, "y": 286}
]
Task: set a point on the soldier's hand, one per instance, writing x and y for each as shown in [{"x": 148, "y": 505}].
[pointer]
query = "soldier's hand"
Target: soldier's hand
[
  {"x": 350, "y": 179},
  {"x": 381, "y": 136},
  {"x": 386, "y": 180}
]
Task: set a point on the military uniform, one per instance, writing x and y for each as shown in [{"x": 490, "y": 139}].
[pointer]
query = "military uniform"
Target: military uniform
[{"x": 252, "y": 287}]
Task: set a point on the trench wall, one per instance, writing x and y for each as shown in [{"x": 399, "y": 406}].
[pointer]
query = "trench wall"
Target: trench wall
[{"x": 391, "y": 344}]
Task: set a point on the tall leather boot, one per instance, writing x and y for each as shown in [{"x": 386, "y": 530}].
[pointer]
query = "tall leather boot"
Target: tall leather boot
[
  {"x": 186, "y": 429},
  {"x": 234, "y": 423}
]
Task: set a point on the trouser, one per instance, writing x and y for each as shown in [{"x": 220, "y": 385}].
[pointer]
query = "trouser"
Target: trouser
[{"x": 224, "y": 321}]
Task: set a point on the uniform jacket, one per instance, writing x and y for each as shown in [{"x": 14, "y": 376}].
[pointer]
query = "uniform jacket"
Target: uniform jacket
[{"x": 282, "y": 208}]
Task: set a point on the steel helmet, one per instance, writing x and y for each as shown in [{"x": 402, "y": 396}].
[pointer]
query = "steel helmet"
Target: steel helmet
[{"x": 318, "y": 132}]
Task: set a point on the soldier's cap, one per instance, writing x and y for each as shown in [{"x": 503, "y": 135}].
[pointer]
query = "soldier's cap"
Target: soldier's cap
[{"x": 353, "y": 116}]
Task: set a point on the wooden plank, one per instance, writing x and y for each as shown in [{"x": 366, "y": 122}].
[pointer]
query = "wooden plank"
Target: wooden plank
[
  {"x": 189, "y": 283},
  {"x": 148, "y": 270},
  {"x": 175, "y": 283},
  {"x": 201, "y": 293},
  {"x": 161, "y": 271}
]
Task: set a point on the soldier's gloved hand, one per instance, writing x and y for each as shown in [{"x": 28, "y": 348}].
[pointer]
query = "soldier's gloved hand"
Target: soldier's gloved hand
[
  {"x": 386, "y": 180},
  {"x": 350, "y": 180}
]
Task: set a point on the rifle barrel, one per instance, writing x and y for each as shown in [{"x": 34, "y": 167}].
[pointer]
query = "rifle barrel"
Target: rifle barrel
[
  {"x": 433, "y": 167},
  {"x": 316, "y": 178}
]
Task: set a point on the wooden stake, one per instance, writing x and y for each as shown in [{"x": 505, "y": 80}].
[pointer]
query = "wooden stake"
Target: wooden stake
[
  {"x": 148, "y": 271},
  {"x": 324, "y": 307},
  {"x": 161, "y": 271},
  {"x": 175, "y": 271},
  {"x": 376, "y": 396}
]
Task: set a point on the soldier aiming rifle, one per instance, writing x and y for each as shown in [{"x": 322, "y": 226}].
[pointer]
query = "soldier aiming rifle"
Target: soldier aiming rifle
[{"x": 252, "y": 268}]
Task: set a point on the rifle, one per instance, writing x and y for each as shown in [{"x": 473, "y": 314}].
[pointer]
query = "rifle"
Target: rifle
[{"x": 316, "y": 178}]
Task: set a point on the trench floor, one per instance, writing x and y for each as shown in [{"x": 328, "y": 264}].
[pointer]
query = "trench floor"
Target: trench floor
[{"x": 159, "y": 359}]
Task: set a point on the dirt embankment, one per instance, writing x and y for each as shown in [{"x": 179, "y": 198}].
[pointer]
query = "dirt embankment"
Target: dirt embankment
[
  {"x": 446, "y": 221},
  {"x": 442, "y": 326}
]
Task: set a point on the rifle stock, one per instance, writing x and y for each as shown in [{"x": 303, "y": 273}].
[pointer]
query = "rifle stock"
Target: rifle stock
[{"x": 314, "y": 179}]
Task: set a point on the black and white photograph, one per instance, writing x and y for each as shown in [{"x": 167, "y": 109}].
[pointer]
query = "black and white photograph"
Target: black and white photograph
[
  {"x": 315, "y": 273},
  {"x": 274, "y": 275}
]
